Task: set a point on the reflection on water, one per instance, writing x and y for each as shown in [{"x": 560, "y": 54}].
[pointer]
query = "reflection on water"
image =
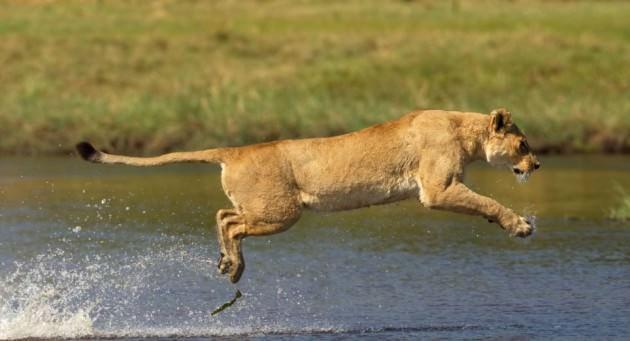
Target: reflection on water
[{"x": 125, "y": 252}]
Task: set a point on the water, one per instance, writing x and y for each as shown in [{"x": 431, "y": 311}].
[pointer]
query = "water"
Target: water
[{"x": 118, "y": 252}]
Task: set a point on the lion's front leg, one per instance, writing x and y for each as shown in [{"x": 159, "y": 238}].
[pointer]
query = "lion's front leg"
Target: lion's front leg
[{"x": 457, "y": 197}]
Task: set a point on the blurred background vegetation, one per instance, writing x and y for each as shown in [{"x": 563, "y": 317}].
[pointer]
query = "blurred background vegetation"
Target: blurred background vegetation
[{"x": 153, "y": 76}]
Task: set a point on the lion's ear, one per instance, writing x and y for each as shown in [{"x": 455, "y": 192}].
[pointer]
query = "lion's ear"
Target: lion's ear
[{"x": 500, "y": 120}]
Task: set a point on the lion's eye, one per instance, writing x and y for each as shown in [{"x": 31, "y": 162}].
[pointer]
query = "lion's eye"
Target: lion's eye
[{"x": 523, "y": 147}]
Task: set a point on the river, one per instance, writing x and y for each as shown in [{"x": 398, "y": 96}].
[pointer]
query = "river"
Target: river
[{"x": 119, "y": 252}]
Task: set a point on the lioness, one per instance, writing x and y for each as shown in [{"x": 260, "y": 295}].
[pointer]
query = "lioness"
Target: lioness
[{"x": 420, "y": 155}]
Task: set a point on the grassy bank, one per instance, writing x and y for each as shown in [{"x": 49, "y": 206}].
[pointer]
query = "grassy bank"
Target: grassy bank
[{"x": 148, "y": 77}]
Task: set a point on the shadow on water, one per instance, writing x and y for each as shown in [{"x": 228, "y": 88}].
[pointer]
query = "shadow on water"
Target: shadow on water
[{"x": 116, "y": 252}]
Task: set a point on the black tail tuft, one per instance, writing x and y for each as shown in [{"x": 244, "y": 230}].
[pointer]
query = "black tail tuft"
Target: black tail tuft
[{"x": 87, "y": 151}]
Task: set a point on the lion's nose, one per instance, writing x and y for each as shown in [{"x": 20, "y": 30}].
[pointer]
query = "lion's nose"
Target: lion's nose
[{"x": 537, "y": 165}]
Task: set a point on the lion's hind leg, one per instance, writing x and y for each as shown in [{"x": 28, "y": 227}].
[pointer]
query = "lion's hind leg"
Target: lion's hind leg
[
  {"x": 221, "y": 217},
  {"x": 231, "y": 259},
  {"x": 233, "y": 228}
]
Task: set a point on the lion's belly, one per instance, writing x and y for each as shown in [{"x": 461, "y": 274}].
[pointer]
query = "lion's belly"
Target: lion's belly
[{"x": 351, "y": 196}]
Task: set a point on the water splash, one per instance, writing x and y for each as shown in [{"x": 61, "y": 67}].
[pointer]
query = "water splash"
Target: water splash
[
  {"x": 522, "y": 177},
  {"x": 59, "y": 295},
  {"x": 40, "y": 320},
  {"x": 532, "y": 222},
  {"x": 32, "y": 304},
  {"x": 132, "y": 293}
]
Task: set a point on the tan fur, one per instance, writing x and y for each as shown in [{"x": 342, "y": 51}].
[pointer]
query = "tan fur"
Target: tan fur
[{"x": 420, "y": 155}]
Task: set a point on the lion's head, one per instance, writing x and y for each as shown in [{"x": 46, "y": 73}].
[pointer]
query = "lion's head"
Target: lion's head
[{"x": 507, "y": 146}]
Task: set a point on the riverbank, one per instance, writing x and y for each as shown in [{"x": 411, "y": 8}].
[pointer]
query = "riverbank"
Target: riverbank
[{"x": 150, "y": 77}]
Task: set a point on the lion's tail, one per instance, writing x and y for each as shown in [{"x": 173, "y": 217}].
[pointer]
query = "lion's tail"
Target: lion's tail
[{"x": 89, "y": 153}]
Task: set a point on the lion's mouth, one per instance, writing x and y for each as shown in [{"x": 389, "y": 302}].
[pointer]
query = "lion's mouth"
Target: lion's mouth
[{"x": 521, "y": 175}]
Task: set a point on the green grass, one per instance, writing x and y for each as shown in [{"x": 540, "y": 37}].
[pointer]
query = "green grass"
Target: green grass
[
  {"x": 622, "y": 211},
  {"x": 149, "y": 77}
]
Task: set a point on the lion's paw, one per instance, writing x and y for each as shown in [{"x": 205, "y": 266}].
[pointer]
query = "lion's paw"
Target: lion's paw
[
  {"x": 224, "y": 264},
  {"x": 236, "y": 272},
  {"x": 233, "y": 267},
  {"x": 523, "y": 228}
]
